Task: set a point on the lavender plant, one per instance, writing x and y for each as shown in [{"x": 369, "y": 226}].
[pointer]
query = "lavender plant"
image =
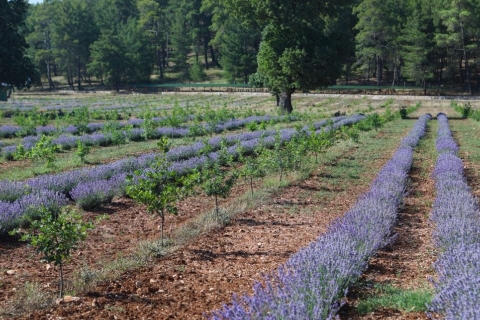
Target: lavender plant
[{"x": 455, "y": 215}]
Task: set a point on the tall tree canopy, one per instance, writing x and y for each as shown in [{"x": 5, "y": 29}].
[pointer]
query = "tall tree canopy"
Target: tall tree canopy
[
  {"x": 300, "y": 48},
  {"x": 284, "y": 45},
  {"x": 15, "y": 67}
]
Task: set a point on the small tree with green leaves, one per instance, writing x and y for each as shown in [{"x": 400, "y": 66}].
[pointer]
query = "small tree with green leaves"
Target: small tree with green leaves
[
  {"x": 56, "y": 236},
  {"x": 148, "y": 124},
  {"x": 113, "y": 130},
  {"x": 43, "y": 151},
  {"x": 218, "y": 175},
  {"x": 297, "y": 147},
  {"x": 318, "y": 142},
  {"x": 82, "y": 150},
  {"x": 253, "y": 165},
  {"x": 160, "y": 188},
  {"x": 283, "y": 157},
  {"x": 351, "y": 132},
  {"x": 197, "y": 73}
]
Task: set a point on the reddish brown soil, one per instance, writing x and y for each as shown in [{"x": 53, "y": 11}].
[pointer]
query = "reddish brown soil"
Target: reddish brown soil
[
  {"x": 199, "y": 276},
  {"x": 408, "y": 262}
]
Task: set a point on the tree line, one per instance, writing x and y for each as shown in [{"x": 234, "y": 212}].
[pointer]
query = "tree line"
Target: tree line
[{"x": 286, "y": 46}]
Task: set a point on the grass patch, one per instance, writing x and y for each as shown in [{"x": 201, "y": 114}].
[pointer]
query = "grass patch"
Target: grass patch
[
  {"x": 353, "y": 165},
  {"x": 386, "y": 296},
  {"x": 27, "y": 299}
]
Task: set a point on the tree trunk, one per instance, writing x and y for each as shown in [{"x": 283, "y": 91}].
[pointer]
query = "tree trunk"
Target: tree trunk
[
  {"x": 49, "y": 76},
  {"x": 160, "y": 64},
  {"x": 251, "y": 185},
  {"x": 368, "y": 72},
  {"x": 460, "y": 64},
  {"x": 61, "y": 280},
  {"x": 216, "y": 207},
  {"x": 379, "y": 70},
  {"x": 467, "y": 69},
  {"x": 440, "y": 73},
  {"x": 277, "y": 96},
  {"x": 347, "y": 73},
  {"x": 163, "y": 223},
  {"x": 212, "y": 54},
  {"x": 70, "y": 80},
  {"x": 286, "y": 101},
  {"x": 205, "y": 51},
  {"x": 394, "y": 75},
  {"x": 79, "y": 75}
]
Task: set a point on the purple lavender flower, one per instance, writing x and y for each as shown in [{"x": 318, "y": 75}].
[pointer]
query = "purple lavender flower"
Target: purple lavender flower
[
  {"x": 455, "y": 215},
  {"x": 89, "y": 195},
  {"x": 8, "y": 131}
]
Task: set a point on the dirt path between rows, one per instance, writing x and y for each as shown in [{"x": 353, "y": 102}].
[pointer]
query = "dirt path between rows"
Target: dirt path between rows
[{"x": 408, "y": 262}]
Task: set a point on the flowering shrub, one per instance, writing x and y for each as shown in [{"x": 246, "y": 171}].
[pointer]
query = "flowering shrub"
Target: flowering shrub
[
  {"x": 114, "y": 134},
  {"x": 456, "y": 215},
  {"x": 89, "y": 195},
  {"x": 29, "y": 207}
]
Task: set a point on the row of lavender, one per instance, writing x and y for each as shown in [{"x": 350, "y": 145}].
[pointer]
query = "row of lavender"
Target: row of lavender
[
  {"x": 67, "y": 142},
  {"x": 456, "y": 215},
  {"x": 9, "y": 131},
  {"x": 313, "y": 280},
  {"x": 90, "y": 187}
]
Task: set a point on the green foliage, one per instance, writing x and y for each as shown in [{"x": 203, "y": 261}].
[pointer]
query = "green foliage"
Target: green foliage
[
  {"x": 218, "y": 175},
  {"x": 80, "y": 118},
  {"x": 196, "y": 129},
  {"x": 418, "y": 50},
  {"x": 254, "y": 165},
  {"x": 390, "y": 297},
  {"x": 318, "y": 142},
  {"x": 116, "y": 134},
  {"x": 238, "y": 47},
  {"x": 148, "y": 124},
  {"x": 16, "y": 67},
  {"x": 252, "y": 126},
  {"x": 197, "y": 73},
  {"x": 160, "y": 188},
  {"x": 376, "y": 40},
  {"x": 82, "y": 150},
  {"x": 56, "y": 236},
  {"x": 351, "y": 132},
  {"x": 43, "y": 151},
  {"x": 286, "y": 157},
  {"x": 372, "y": 121},
  {"x": 465, "y": 110}
]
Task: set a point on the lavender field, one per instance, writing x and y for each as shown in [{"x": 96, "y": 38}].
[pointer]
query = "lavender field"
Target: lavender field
[{"x": 328, "y": 181}]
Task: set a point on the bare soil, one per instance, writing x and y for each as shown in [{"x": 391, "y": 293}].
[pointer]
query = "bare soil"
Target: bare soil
[{"x": 408, "y": 262}]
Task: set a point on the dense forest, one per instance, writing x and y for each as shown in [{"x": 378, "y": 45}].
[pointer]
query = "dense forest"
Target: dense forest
[{"x": 284, "y": 45}]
